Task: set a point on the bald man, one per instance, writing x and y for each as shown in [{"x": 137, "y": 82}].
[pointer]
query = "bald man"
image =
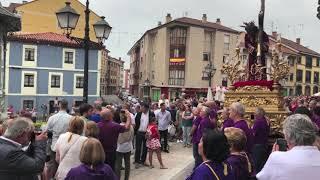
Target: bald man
[{"x": 109, "y": 132}]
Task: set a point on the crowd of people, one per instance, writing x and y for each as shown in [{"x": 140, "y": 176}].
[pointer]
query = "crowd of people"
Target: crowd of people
[{"x": 97, "y": 141}]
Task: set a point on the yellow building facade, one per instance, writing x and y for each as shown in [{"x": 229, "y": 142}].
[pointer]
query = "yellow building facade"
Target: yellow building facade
[{"x": 40, "y": 16}]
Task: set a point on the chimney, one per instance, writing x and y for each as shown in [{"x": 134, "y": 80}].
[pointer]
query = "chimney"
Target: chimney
[
  {"x": 218, "y": 21},
  {"x": 159, "y": 23},
  {"x": 298, "y": 41},
  {"x": 204, "y": 18},
  {"x": 274, "y": 34},
  {"x": 119, "y": 58},
  {"x": 168, "y": 18},
  {"x": 24, "y": 2}
]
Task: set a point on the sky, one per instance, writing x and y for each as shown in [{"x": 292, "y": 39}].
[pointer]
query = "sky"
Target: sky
[{"x": 131, "y": 18}]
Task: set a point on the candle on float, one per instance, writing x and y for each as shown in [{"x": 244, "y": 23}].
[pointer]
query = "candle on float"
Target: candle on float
[{"x": 259, "y": 50}]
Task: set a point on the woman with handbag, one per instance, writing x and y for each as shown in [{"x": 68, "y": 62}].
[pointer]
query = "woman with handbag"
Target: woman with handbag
[{"x": 68, "y": 147}]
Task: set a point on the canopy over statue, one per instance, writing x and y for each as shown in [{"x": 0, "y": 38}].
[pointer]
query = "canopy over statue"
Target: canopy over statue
[{"x": 257, "y": 43}]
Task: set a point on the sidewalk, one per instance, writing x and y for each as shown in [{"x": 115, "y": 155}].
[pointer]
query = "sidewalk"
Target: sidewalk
[{"x": 179, "y": 163}]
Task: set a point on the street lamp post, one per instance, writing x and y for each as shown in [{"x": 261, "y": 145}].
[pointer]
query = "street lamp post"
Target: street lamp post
[
  {"x": 209, "y": 71},
  {"x": 67, "y": 20}
]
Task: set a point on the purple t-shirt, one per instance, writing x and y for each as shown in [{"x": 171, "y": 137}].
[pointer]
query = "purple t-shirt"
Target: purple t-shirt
[
  {"x": 83, "y": 172},
  {"x": 242, "y": 124},
  {"x": 261, "y": 131},
  {"x": 203, "y": 172},
  {"x": 195, "y": 123},
  {"x": 205, "y": 123},
  {"x": 240, "y": 166},
  {"x": 227, "y": 123},
  {"x": 108, "y": 134}
]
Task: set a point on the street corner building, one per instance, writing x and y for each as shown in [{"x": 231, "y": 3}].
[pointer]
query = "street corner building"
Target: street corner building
[
  {"x": 43, "y": 66},
  {"x": 171, "y": 58}
]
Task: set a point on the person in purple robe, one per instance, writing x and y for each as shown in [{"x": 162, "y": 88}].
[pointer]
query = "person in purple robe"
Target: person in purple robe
[
  {"x": 214, "y": 150},
  {"x": 239, "y": 160},
  {"x": 205, "y": 123},
  {"x": 195, "y": 140},
  {"x": 92, "y": 157},
  {"x": 227, "y": 121},
  {"x": 261, "y": 130},
  {"x": 316, "y": 116},
  {"x": 237, "y": 112}
]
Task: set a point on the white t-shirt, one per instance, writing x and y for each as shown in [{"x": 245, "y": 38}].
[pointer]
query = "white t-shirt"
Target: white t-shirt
[
  {"x": 144, "y": 121},
  {"x": 127, "y": 146}
]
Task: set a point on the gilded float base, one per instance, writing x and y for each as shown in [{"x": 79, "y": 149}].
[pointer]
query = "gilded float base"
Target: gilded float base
[{"x": 257, "y": 96}]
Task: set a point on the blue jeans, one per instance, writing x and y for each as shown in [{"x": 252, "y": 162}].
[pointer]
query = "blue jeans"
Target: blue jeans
[
  {"x": 196, "y": 156},
  {"x": 186, "y": 135}
]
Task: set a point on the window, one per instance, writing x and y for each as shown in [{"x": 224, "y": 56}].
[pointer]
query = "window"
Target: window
[
  {"x": 178, "y": 40},
  {"x": 176, "y": 77},
  {"x": 298, "y": 90},
  {"x": 291, "y": 77},
  {"x": 308, "y": 76},
  {"x": 318, "y": 62},
  {"x": 309, "y": 62},
  {"x": 79, "y": 82},
  {"x": 316, "y": 78},
  {"x": 55, "y": 81},
  {"x": 315, "y": 89},
  {"x": 29, "y": 80},
  {"x": 290, "y": 92},
  {"x": 206, "y": 56},
  {"x": 299, "y": 60},
  {"x": 68, "y": 57},
  {"x": 29, "y": 54},
  {"x": 226, "y": 42},
  {"x": 291, "y": 61},
  {"x": 27, "y": 104},
  {"x": 299, "y": 75},
  {"x": 307, "y": 91}
]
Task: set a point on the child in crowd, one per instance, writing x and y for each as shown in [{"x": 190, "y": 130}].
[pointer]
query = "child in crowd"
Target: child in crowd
[{"x": 153, "y": 142}]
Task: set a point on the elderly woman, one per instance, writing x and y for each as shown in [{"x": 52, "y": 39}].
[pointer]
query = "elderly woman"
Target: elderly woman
[
  {"x": 195, "y": 142},
  {"x": 205, "y": 123},
  {"x": 238, "y": 159},
  {"x": 302, "y": 160},
  {"x": 237, "y": 112},
  {"x": 261, "y": 130},
  {"x": 227, "y": 121},
  {"x": 92, "y": 165},
  {"x": 214, "y": 150}
]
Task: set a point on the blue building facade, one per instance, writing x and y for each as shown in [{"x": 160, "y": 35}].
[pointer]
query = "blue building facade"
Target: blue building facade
[{"x": 41, "y": 67}]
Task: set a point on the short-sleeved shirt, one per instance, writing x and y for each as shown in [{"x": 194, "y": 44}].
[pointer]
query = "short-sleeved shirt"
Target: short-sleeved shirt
[
  {"x": 108, "y": 134},
  {"x": 187, "y": 122},
  {"x": 242, "y": 124},
  {"x": 58, "y": 124}
]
